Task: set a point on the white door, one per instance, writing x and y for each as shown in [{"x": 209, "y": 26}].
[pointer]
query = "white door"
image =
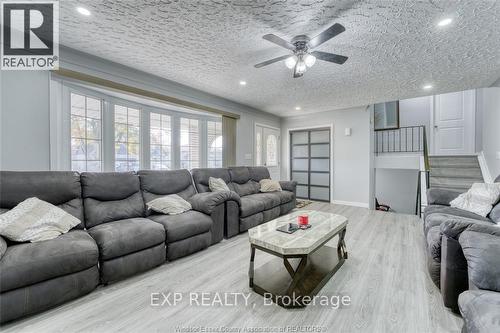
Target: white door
[
  {"x": 267, "y": 149},
  {"x": 454, "y": 123}
]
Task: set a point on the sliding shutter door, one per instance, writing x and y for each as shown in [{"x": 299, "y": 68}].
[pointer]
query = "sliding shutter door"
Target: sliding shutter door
[{"x": 310, "y": 163}]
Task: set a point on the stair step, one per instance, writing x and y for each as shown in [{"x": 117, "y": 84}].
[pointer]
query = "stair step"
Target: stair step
[
  {"x": 454, "y": 161},
  {"x": 463, "y": 183},
  {"x": 473, "y": 173}
]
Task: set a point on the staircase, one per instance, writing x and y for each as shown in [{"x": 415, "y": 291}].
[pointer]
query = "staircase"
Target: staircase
[{"x": 454, "y": 172}]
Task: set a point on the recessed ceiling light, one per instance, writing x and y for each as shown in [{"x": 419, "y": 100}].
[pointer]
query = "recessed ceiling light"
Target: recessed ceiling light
[
  {"x": 243, "y": 83},
  {"x": 297, "y": 108},
  {"x": 83, "y": 11},
  {"x": 427, "y": 86},
  {"x": 444, "y": 22}
]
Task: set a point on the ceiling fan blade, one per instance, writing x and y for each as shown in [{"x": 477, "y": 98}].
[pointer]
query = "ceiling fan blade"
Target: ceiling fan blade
[
  {"x": 338, "y": 59},
  {"x": 271, "y": 61},
  {"x": 296, "y": 73},
  {"x": 279, "y": 41},
  {"x": 329, "y": 33}
]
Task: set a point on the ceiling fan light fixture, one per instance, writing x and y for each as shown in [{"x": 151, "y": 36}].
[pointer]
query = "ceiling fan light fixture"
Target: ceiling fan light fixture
[
  {"x": 309, "y": 60},
  {"x": 301, "y": 67},
  {"x": 290, "y": 62}
]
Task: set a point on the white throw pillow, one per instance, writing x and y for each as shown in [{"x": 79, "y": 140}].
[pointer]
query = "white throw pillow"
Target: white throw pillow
[
  {"x": 35, "y": 220},
  {"x": 269, "y": 185},
  {"x": 170, "y": 205},
  {"x": 217, "y": 184},
  {"x": 479, "y": 199}
]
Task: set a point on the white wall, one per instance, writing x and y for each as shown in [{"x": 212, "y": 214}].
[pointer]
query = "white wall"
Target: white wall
[
  {"x": 397, "y": 188},
  {"x": 416, "y": 112},
  {"x": 24, "y": 125},
  {"x": 25, "y": 99},
  {"x": 489, "y": 102},
  {"x": 351, "y": 154}
]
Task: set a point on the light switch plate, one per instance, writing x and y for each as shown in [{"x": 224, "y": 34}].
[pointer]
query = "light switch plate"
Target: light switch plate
[
  {"x": 347, "y": 131},
  {"x": 498, "y": 155}
]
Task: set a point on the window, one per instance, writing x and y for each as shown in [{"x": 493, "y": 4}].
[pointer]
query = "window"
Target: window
[
  {"x": 86, "y": 137},
  {"x": 160, "y": 141},
  {"x": 271, "y": 150},
  {"x": 214, "y": 142},
  {"x": 190, "y": 144},
  {"x": 127, "y": 138},
  {"x": 258, "y": 148}
]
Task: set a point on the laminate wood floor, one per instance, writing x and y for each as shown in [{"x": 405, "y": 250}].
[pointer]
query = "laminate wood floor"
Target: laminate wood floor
[{"x": 385, "y": 277}]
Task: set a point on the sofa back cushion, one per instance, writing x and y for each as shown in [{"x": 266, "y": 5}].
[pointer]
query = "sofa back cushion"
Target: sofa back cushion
[
  {"x": 111, "y": 196},
  {"x": 202, "y": 175},
  {"x": 242, "y": 182},
  {"x": 60, "y": 188},
  {"x": 258, "y": 173},
  {"x": 156, "y": 184}
]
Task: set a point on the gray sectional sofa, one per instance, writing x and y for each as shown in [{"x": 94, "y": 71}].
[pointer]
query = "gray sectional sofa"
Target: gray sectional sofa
[
  {"x": 253, "y": 207},
  {"x": 118, "y": 237},
  {"x": 442, "y": 227}
]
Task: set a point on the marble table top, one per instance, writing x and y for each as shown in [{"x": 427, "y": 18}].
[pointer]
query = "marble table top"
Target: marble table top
[{"x": 323, "y": 227}]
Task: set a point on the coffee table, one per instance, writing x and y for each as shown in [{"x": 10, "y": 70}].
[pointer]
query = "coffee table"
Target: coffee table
[{"x": 304, "y": 264}]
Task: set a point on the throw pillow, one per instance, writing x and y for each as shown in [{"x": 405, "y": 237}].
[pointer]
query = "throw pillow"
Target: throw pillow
[
  {"x": 479, "y": 199},
  {"x": 169, "y": 205},
  {"x": 217, "y": 184},
  {"x": 269, "y": 185},
  {"x": 35, "y": 220}
]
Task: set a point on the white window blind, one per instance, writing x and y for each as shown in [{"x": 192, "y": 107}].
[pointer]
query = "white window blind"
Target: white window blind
[
  {"x": 189, "y": 143},
  {"x": 214, "y": 144}
]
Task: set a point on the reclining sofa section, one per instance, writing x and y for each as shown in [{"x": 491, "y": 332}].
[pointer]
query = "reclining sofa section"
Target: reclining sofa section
[
  {"x": 38, "y": 276},
  {"x": 114, "y": 216},
  {"x": 253, "y": 207}
]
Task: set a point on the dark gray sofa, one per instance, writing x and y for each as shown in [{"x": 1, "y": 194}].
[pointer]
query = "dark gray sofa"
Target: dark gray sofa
[
  {"x": 193, "y": 230},
  {"x": 480, "y": 306},
  {"x": 442, "y": 226},
  {"x": 253, "y": 207},
  {"x": 38, "y": 276},
  {"x": 114, "y": 216}
]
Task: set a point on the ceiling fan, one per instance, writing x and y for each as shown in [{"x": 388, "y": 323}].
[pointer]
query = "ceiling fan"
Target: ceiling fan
[{"x": 302, "y": 47}]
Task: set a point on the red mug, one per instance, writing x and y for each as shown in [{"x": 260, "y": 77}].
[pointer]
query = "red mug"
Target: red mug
[{"x": 303, "y": 220}]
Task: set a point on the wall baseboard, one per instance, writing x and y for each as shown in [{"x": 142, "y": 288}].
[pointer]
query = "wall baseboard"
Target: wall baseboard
[
  {"x": 351, "y": 203},
  {"x": 484, "y": 168}
]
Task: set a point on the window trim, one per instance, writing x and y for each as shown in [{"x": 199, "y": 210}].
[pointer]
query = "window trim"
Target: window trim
[{"x": 60, "y": 123}]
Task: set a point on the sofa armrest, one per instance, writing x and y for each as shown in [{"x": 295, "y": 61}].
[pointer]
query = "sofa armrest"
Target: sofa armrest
[
  {"x": 206, "y": 202},
  {"x": 453, "y": 226},
  {"x": 289, "y": 185},
  {"x": 3, "y": 247},
  {"x": 437, "y": 196},
  {"x": 482, "y": 251}
]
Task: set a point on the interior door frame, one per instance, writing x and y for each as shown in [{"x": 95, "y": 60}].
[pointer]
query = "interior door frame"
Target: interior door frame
[
  {"x": 289, "y": 153},
  {"x": 432, "y": 134},
  {"x": 255, "y": 125}
]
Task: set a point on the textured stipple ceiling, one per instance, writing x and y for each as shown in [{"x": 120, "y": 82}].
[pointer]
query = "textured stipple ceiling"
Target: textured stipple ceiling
[{"x": 394, "y": 47}]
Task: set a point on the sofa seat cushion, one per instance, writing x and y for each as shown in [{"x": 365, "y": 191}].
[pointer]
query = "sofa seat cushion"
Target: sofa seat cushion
[
  {"x": 434, "y": 243},
  {"x": 185, "y": 225},
  {"x": 285, "y": 196},
  {"x": 429, "y": 210},
  {"x": 270, "y": 200},
  {"x": 480, "y": 309},
  {"x": 122, "y": 237},
  {"x": 24, "y": 264}
]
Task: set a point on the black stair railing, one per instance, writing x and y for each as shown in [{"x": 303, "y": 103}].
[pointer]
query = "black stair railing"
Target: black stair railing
[{"x": 409, "y": 139}]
